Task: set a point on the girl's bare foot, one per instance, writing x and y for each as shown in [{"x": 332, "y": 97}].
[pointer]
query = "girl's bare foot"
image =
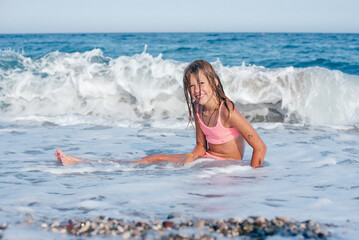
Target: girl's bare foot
[
  {"x": 59, "y": 154},
  {"x": 66, "y": 159}
]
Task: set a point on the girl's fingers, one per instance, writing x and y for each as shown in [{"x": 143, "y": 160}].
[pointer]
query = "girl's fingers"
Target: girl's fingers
[
  {"x": 180, "y": 163},
  {"x": 184, "y": 161}
]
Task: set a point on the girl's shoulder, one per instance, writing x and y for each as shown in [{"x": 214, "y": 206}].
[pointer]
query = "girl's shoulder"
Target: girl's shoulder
[{"x": 227, "y": 107}]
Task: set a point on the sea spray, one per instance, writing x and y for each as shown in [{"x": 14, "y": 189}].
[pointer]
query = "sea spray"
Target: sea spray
[{"x": 90, "y": 86}]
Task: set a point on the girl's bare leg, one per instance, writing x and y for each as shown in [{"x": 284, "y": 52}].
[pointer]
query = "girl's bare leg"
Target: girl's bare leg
[
  {"x": 66, "y": 159},
  {"x": 69, "y": 160},
  {"x": 161, "y": 157}
]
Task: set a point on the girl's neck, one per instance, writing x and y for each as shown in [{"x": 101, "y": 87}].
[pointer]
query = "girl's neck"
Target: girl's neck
[{"x": 211, "y": 105}]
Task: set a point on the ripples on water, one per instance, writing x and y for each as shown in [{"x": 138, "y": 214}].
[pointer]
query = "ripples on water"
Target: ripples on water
[
  {"x": 102, "y": 98},
  {"x": 305, "y": 175},
  {"x": 332, "y": 51}
]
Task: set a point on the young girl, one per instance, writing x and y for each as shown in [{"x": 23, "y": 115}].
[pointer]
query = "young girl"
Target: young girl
[{"x": 220, "y": 128}]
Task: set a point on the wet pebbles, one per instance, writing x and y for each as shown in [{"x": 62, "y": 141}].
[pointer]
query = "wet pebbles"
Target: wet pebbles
[
  {"x": 252, "y": 227},
  {"x": 2, "y": 228}
]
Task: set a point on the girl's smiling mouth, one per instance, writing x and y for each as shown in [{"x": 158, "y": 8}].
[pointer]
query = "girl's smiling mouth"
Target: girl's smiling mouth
[{"x": 199, "y": 97}]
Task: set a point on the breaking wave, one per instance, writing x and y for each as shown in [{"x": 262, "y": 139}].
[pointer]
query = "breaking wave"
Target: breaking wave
[{"x": 74, "y": 88}]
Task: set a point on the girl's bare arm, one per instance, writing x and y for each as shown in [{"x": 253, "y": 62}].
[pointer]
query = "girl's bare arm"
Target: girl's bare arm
[
  {"x": 200, "y": 148},
  {"x": 251, "y": 136}
]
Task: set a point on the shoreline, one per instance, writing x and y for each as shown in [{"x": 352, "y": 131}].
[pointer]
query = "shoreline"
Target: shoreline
[{"x": 252, "y": 227}]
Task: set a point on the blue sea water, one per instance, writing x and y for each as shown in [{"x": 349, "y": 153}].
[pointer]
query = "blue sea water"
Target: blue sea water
[
  {"x": 270, "y": 50},
  {"x": 112, "y": 98}
]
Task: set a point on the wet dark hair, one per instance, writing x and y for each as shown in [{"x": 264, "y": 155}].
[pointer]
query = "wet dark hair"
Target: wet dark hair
[{"x": 206, "y": 68}]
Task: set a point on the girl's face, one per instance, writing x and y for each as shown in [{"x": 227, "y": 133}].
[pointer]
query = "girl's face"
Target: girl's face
[{"x": 204, "y": 93}]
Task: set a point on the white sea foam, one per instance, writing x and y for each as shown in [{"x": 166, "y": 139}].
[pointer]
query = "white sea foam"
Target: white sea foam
[
  {"x": 80, "y": 88},
  {"x": 90, "y": 204},
  {"x": 325, "y": 162},
  {"x": 305, "y": 175},
  {"x": 321, "y": 203},
  {"x": 113, "y": 110},
  {"x": 315, "y": 95}
]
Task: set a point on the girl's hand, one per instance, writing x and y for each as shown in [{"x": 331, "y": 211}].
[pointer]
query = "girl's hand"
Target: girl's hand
[{"x": 186, "y": 160}]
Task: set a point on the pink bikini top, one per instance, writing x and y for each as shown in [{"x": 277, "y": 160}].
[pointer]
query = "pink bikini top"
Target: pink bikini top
[{"x": 218, "y": 134}]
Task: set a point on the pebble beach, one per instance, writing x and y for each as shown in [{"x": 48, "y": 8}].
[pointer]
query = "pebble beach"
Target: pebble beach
[{"x": 251, "y": 228}]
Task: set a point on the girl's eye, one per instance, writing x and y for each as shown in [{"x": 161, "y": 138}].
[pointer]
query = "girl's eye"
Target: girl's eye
[
  {"x": 191, "y": 86},
  {"x": 202, "y": 83}
]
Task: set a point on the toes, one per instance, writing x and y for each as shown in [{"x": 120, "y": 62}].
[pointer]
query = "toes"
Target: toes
[
  {"x": 57, "y": 156},
  {"x": 63, "y": 161},
  {"x": 60, "y": 155}
]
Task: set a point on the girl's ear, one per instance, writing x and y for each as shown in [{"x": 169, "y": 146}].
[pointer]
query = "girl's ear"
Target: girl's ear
[{"x": 216, "y": 81}]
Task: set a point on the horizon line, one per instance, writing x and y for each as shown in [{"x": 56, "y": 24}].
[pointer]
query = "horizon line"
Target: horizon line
[{"x": 168, "y": 32}]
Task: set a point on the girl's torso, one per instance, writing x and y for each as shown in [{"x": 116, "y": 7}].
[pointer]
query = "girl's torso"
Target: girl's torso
[{"x": 223, "y": 140}]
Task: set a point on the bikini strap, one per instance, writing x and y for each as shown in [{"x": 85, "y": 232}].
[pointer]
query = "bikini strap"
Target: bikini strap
[{"x": 219, "y": 112}]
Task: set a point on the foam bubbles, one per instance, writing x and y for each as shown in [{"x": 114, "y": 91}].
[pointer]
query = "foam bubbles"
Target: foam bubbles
[
  {"x": 312, "y": 95},
  {"x": 325, "y": 162},
  {"x": 321, "y": 203},
  {"x": 88, "y": 204},
  {"x": 77, "y": 88}
]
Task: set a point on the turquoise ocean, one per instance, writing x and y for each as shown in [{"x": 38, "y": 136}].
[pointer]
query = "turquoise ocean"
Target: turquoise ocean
[{"x": 112, "y": 98}]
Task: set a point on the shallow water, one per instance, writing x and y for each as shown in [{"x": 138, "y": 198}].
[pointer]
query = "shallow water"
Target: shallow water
[
  {"x": 309, "y": 173},
  {"x": 113, "y": 98}
]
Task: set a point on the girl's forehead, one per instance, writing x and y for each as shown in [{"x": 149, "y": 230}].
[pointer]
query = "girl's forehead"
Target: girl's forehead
[{"x": 193, "y": 77}]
